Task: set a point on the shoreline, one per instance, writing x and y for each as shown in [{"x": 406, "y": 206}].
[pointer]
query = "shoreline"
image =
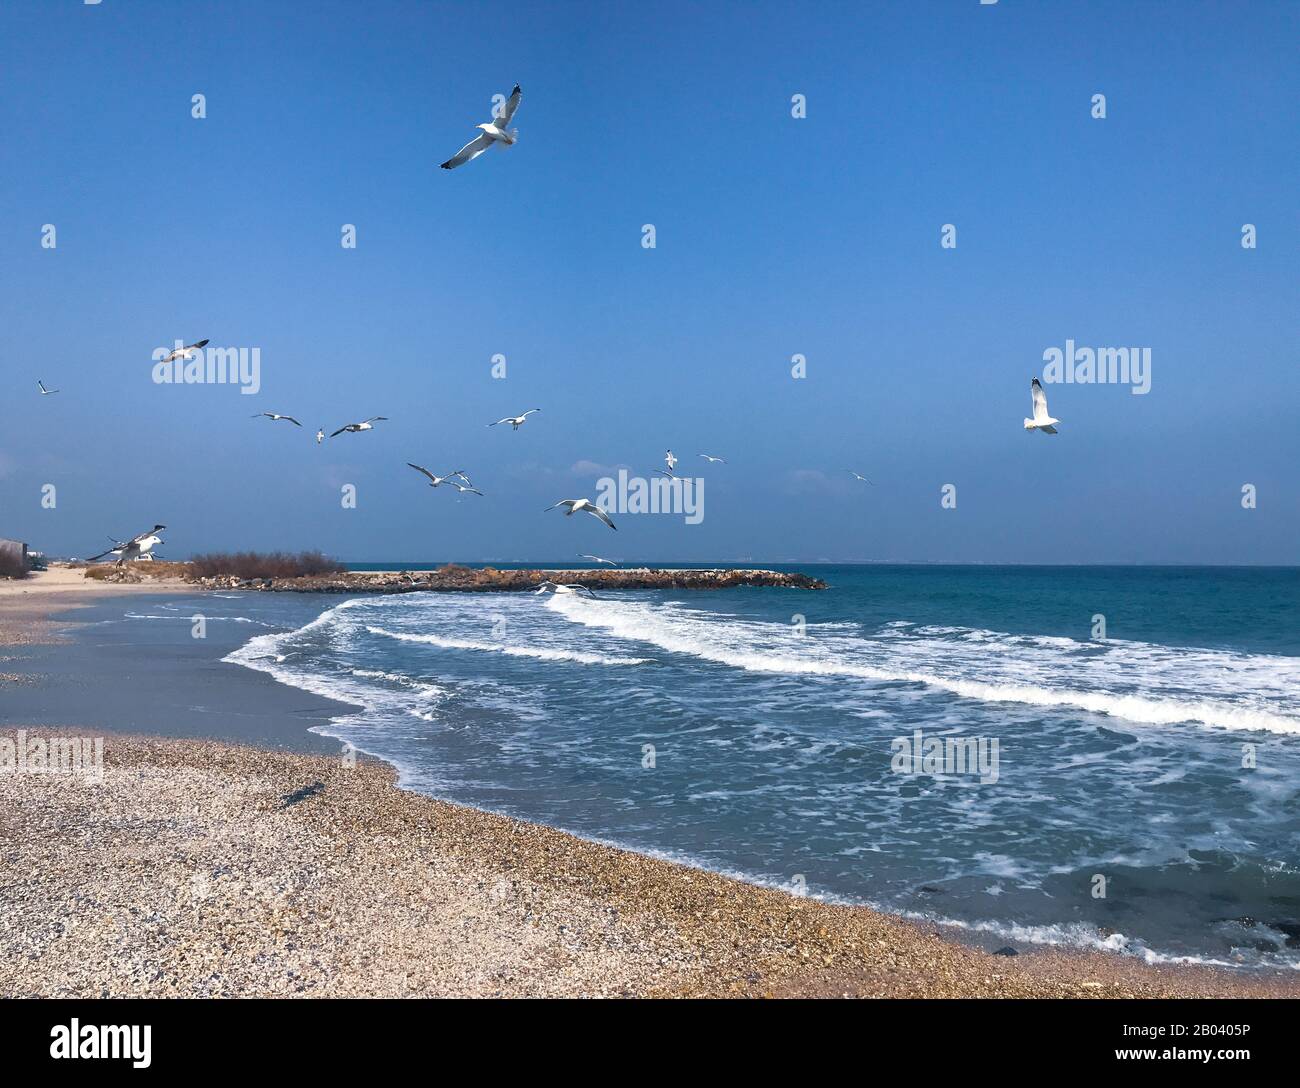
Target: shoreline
[{"x": 218, "y": 868}]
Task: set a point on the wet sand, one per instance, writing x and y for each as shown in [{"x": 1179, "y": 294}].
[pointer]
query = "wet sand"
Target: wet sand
[{"x": 202, "y": 868}]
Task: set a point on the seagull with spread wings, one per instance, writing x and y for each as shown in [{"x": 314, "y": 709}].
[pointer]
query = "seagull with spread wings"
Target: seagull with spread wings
[
  {"x": 585, "y": 505},
  {"x": 138, "y": 547},
  {"x": 357, "y": 428},
  {"x": 1042, "y": 421},
  {"x": 494, "y": 132},
  {"x": 185, "y": 353},
  {"x": 274, "y": 416},
  {"x": 41, "y": 386},
  {"x": 516, "y": 421}
]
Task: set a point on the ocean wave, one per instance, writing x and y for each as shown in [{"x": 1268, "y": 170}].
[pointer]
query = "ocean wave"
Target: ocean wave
[
  {"x": 767, "y": 647},
  {"x": 541, "y": 653}
]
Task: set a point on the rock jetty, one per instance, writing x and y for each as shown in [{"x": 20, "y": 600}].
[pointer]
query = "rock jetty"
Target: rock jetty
[{"x": 457, "y": 579}]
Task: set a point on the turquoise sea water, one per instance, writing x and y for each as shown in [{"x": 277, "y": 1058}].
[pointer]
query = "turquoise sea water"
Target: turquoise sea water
[{"x": 755, "y": 732}]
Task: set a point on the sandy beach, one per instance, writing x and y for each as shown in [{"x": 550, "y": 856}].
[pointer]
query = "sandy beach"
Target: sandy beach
[{"x": 201, "y": 868}]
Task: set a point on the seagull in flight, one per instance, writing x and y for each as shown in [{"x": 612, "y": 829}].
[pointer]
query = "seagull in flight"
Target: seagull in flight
[
  {"x": 670, "y": 461},
  {"x": 494, "y": 132},
  {"x": 566, "y": 587},
  {"x": 186, "y": 352},
  {"x": 357, "y": 428},
  {"x": 1041, "y": 421},
  {"x": 713, "y": 460},
  {"x": 858, "y": 476},
  {"x": 434, "y": 481},
  {"x": 44, "y": 392},
  {"x": 320, "y": 435},
  {"x": 274, "y": 416},
  {"x": 138, "y": 547},
  {"x": 597, "y": 559},
  {"x": 516, "y": 421},
  {"x": 462, "y": 488},
  {"x": 574, "y": 505}
]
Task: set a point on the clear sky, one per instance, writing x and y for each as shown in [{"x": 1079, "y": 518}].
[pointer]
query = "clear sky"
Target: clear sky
[{"x": 776, "y": 235}]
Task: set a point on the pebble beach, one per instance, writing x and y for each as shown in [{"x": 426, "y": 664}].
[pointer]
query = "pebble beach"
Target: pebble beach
[{"x": 199, "y": 868}]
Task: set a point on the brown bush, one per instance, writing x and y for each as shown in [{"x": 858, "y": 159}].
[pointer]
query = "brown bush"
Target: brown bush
[{"x": 263, "y": 564}]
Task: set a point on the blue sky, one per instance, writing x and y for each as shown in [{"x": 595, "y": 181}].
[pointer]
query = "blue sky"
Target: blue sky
[{"x": 775, "y": 236}]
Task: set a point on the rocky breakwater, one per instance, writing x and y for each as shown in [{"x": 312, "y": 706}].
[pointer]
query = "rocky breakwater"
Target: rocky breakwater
[{"x": 458, "y": 579}]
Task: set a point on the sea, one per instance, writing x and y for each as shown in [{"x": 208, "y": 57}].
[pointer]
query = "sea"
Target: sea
[{"x": 1105, "y": 757}]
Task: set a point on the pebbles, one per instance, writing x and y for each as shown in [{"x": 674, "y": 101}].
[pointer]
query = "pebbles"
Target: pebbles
[{"x": 186, "y": 874}]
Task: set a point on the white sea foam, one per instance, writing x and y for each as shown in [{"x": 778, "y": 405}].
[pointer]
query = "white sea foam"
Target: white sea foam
[
  {"x": 1168, "y": 685},
  {"x": 541, "y": 653}
]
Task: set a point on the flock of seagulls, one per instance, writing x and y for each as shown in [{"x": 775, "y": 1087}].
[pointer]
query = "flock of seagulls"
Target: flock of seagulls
[{"x": 491, "y": 133}]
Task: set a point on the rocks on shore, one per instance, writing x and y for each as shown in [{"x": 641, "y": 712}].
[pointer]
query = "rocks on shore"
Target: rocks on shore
[{"x": 458, "y": 579}]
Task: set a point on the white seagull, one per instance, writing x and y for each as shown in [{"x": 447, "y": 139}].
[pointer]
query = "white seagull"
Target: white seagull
[
  {"x": 516, "y": 421},
  {"x": 462, "y": 488},
  {"x": 713, "y": 460},
  {"x": 274, "y": 416},
  {"x": 494, "y": 132},
  {"x": 567, "y": 587},
  {"x": 858, "y": 476},
  {"x": 434, "y": 481},
  {"x": 574, "y": 505},
  {"x": 185, "y": 352},
  {"x": 1041, "y": 421},
  {"x": 357, "y": 428},
  {"x": 138, "y": 547},
  {"x": 670, "y": 461},
  {"x": 320, "y": 435},
  {"x": 597, "y": 559},
  {"x": 41, "y": 386}
]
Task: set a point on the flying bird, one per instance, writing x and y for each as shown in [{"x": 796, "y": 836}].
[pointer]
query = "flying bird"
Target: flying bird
[
  {"x": 597, "y": 559},
  {"x": 274, "y": 416},
  {"x": 566, "y": 587},
  {"x": 1041, "y": 421},
  {"x": 670, "y": 461},
  {"x": 138, "y": 547},
  {"x": 320, "y": 435},
  {"x": 44, "y": 392},
  {"x": 462, "y": 488},
  {"x": 357, "y": 428},
  {"x": 185, "y": 352},
  {"x": 574, "y": 505},
  {"x": 713, "y": 460},
  {"x": 494, "y": 132},
  {"x": 858, "y": 476},
  {"x": 434, "y": 481},
  {"x": 516, "y": 421}
]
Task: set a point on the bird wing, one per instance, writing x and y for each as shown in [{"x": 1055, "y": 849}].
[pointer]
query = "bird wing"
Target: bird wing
[
  {"x": 1039, "y": 399},
  {"x": 508, "y": 110},
  {"x": 101, "y": 555},
  {"x": 191, "y": 347},
  {"x": 596, "y": 511},
  {"x": 1048, "y": 430},
  {"x": 341, "y": 429},
  {"x": 508, "y": 419},
  {"x": 292, "y": 420},
  {"x": 471, "y": 150},
  {"x": 374, "y": 419},
  {"x": 419, "y": 468}
]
